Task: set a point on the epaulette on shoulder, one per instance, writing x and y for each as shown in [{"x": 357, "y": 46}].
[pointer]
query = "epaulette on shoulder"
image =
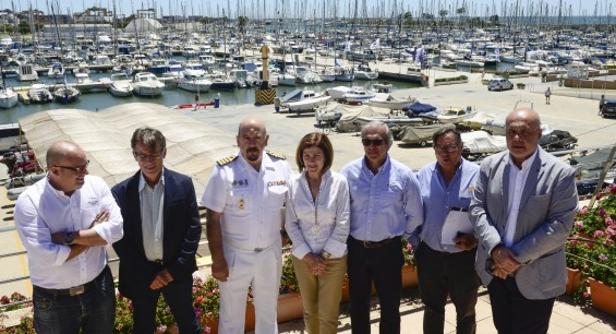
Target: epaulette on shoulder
[
  {"x": 226, "y": 160},
  {"x": 277, "y": 155}
]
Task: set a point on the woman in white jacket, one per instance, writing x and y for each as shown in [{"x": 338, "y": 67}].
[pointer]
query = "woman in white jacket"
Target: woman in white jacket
[{"x": 317, "y": 222}]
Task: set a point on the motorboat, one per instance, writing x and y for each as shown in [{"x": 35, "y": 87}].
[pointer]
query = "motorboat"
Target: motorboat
[
  {"x": 451, "y": 115},
  {"x": 308, "y": 102},
  {"x": 385, "y": 100},
  {"x": 286, "y": 79},
  {"x": 121, "y": 85},
  {"x": 358, "y": 94},
  {"x": 146, "y": 84},
  {"x": 344, "y": 74},
  {"x": 66, "y": 94},
  {"x": 193, "y": 81},
  {"x": 328, "y": 74},
  {"x": 56, "y": 71},
  {"x": 221, "y": 81},
  {"x": 364, "y": 72},
  {"x": 26, "y": 72},
  {"x": 39, "y": 93},
  {"x": 8, "y": 98}
]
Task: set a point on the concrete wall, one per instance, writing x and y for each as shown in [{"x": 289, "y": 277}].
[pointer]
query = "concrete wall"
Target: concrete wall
[{"x": 598, "y": 84}]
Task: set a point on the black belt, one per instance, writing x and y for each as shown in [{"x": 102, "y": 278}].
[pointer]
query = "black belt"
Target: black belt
[
  {"x": 375, "y": 244},
  {"x": 76, "y": 290}
]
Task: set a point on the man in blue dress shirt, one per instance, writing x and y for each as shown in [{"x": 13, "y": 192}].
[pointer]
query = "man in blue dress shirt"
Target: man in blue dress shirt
[
  {"x": 385, "y": 204},
  {"x": 446, "y": 267}
]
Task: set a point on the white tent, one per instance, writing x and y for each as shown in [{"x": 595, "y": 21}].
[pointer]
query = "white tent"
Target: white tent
[{"x": 192, "y": 146}]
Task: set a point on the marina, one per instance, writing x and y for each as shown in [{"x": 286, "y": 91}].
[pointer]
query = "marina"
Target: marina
[{"x": 331, "y": 69}]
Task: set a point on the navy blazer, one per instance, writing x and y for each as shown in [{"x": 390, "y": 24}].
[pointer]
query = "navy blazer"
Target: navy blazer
[{"x": 181, "y": 233}]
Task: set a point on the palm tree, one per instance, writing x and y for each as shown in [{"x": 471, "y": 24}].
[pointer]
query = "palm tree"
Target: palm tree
[
  {"x": 460, "y": 11},
  {"x": 443, "y": 13}
]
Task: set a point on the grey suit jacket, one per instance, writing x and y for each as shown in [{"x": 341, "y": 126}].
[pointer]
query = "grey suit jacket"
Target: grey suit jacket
[{"x": 547, "y": 210}]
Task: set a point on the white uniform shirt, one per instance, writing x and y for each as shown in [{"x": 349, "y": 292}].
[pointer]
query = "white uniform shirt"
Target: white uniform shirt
[
  {"x": 251, "y": 201},
  {"x": 152, "y": 202},
  {"x": 322, "y": 224},
  {"x": 42, "y": 210},
  {"x": 517, "y": 181}
]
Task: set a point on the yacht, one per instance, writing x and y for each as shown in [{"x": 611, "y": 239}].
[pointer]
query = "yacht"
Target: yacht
[
  {"x": 194, "y": 81},
  {"x": 26, "y": 72},
  {"x": 121, "y": 85},
  {"x": 8, "y": 98},
  {"x": 146, "y": 84},
  {"x": 56, "y": 71}
]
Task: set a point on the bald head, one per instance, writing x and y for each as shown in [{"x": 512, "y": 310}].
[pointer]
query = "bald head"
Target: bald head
[
  {"x": 527, "y": 115},
  {"x": 60, "y": 151},
  {"x": 523, "y": 132},
  {"x": 252, "y": 124}
]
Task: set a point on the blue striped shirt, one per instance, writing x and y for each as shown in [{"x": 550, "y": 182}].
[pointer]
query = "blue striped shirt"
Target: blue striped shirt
[
  {"x": 439, "y": 197},
  {"x": 383, "y": 205}
]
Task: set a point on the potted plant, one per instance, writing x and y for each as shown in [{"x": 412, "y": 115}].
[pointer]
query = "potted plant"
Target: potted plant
[
  {"x": 290, "y": 305},
  {"x": 592, "y": 249},
  {"x": 409, "y": 271}
]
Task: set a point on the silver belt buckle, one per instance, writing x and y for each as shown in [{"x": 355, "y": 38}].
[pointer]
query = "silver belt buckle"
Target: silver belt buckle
[{"x": 77, "y": 290}]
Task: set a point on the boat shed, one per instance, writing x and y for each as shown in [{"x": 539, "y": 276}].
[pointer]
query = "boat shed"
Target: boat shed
[{"x": 192, "y": 146}]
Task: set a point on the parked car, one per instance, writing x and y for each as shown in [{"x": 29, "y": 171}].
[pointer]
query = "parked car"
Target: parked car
[
  {"x": 499, "y": 84},
  {"x": 609, "y": 109}
]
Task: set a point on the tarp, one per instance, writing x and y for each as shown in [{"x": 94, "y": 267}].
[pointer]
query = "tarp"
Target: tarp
[
  {"x": 421, "y": 134},
  {"x": 419, "y": 108},
  {"x": 481, "y": 142},
  {"x": 349, "y": 123},
  {"x": 192, "y": 146}
]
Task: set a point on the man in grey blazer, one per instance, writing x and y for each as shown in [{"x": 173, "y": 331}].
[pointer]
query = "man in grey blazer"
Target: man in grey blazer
[{"x": 523, "y": 208}]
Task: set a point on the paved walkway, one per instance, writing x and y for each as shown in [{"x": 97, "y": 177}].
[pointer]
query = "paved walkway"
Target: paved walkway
[{"x": 566, "y": 318}]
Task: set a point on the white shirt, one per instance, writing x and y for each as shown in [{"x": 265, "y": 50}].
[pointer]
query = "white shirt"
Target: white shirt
[
  {"x": 152, "y": 202},
  {"x": 321, "y": 224},
  {"x": 251, "y": 201},
  {"x": 517, "y": 181},
  {"x": 42, "y": 210}
]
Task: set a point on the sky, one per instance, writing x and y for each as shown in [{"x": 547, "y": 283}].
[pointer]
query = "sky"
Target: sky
[{"x": 314, "y": 8}]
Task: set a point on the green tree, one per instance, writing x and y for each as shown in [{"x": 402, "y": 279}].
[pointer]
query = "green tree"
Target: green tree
[
  {"x": 408, "y": 19},
  {"x": 23, "y": 27},
  {"x": 443, "y": 13},
  {"x": 242, "y": 21}
]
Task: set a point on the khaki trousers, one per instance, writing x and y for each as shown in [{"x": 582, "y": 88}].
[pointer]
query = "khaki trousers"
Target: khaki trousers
[{"x": 321, "y": 294}]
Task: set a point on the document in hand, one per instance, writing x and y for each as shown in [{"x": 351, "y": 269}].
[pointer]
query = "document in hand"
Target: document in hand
[{"x": 456, "y": 222}]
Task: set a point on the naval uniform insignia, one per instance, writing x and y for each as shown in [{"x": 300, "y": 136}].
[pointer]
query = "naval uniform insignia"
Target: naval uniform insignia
[
  {"x": 241, "y": 204},
  {"x": 281, "y": 182},
  {"x": 277, "y": 155},
  {"x": 226, "y": 160}
]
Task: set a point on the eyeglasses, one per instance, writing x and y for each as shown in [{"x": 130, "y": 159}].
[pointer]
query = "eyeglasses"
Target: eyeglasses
[
  {"x": 146, "y": 157},
  {"x": 78, "y": 170},
  {"x": 375, "y": 142},
  {"x": 447, "y": 148}
]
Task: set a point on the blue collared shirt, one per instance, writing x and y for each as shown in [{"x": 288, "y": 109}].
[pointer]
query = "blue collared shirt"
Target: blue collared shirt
[
  {"x": 439, "y": 197},
  {"x": 383, "y": 205}
]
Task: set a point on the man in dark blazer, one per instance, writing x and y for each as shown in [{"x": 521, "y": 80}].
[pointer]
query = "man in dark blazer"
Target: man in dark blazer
[
  {"x": 523, "y": 209},
  {"x": 161, "y": 235}
]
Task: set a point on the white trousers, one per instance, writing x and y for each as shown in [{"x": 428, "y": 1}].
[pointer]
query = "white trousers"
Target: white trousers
[{"x": 262, "y": 269}]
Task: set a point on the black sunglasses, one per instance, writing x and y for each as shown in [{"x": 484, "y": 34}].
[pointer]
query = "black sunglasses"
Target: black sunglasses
[
  {"x": 375, "y": 142},
  {"x": 78, "y": 170}
]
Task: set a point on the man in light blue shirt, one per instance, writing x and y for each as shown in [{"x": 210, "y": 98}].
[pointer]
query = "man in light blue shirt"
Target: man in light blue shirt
[
  {"x": 385, "y": 204},
  {"x": 446, "y": 267}
]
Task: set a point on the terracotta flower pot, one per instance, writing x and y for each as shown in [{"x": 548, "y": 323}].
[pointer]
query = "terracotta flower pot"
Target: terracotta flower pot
[
  {"x": 345, "y": 290},
  {"x": 603, "y": 297},
  {"x": 210, "y": 326},
  {"x": 290, "y": 307},
  {"x": 409, "y": 276},
  {"x": 574, "y": 280}
]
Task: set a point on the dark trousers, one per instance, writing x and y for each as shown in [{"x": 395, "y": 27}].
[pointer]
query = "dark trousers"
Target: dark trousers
[
  {"x": 382, "y": 266},
  {"x": 179, "y": 298},
  {"x": 441, "y": 274},
  {"x": 513, "y": 313},
  {"x": 57, "y": 312}
]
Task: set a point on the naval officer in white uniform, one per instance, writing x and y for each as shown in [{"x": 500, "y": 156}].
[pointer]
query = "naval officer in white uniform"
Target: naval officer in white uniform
[{"x": 244, "y": 198}]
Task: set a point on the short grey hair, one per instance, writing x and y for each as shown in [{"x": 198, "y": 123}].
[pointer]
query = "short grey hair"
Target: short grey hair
[
  {"x": 378, "y": 125},
  {"x": 149, "y": 137}
]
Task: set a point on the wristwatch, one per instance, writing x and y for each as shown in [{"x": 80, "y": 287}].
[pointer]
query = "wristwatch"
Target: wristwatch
[
  {"x": 326, "y": 255},
  {"x": 69, "y": 238}
]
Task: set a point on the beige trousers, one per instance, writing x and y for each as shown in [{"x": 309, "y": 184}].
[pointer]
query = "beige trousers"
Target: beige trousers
[{"x": 321, "y": 294}]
